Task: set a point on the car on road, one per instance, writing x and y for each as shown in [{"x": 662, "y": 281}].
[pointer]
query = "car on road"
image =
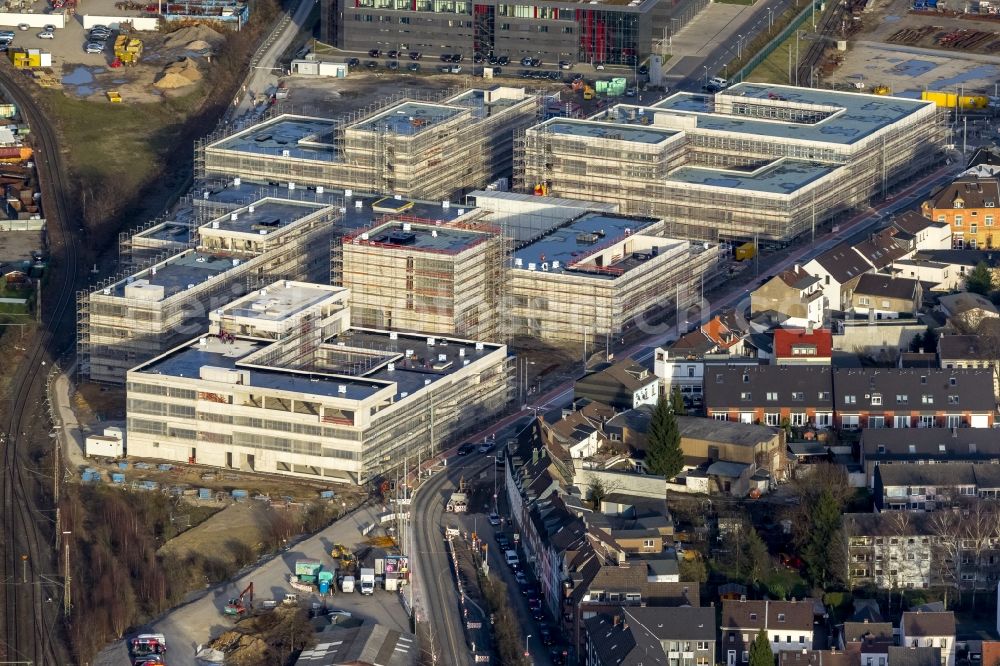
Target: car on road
[
  {"x": 456, "y": 57},
  {"x": 374, "y": 53},
  {"x": 503, "y": 541},
  {"x": 353, "y": 62},
  {"x": 599, "y": 67},
  {"x": 531, "y": 591},
  {"x": 718, "y": 81},
  {"x": 94, "y": 47},
  {"x": 468, "y": 447},
  {"x": 49, "y": 27},
  {"x": 445, "y": 57},
  {"x": 521, "y": 578},
  {"x": 503, "y": 61},
  {"x": 494, "y": 519},
  {"x": 643, "y": 71},
  {"x": 558, "y": 656},
  {"x": 392, "y": 55},
  {"x": 486, "y": 447},
  {"x": 631, "y": 92},
  {"x": 371, "y": 64},
  {"x": 415, "y": 55},
  {"x": 413, "y": 67},
  {"x": 45, "y": 34},
  {"x": 565, "y": 64},
  {"x": 392, "y": 65},
  {"x": 545, "y": 634},
  {"x": 538, "y": 613}
]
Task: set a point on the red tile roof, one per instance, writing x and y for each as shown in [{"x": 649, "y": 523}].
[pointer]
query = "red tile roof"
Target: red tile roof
[{"x": 785, "y": 338}]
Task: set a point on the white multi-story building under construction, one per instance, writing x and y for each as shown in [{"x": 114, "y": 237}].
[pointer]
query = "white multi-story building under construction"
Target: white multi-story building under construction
[
  {"x": 135, "y": 317},
  {"x": 756, "y": 160},
  {"x": 420, "y": 149},
  {"x": 283, "y": 384}
]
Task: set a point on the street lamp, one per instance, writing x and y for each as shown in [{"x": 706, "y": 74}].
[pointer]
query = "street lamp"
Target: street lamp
[
  {"x": 770, "y": 20},
  {"x": 526, "y": 653},
  {"x": 705, "y": 67},
  {"x": 739, "y": 45}
]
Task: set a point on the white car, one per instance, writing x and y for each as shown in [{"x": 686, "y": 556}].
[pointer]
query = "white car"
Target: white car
[
  {"x": 94, "y": 47},
  {"x": 494, "y": 520},
  {"x": 45, "y": 34},
  {"x": 23, "y": 26}
]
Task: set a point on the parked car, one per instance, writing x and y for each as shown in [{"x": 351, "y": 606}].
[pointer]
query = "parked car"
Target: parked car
[
  {"x": 643, "y": 70},
  {"x": 371, "y": 64},
  {"x": 599, "y": 67},
  {"x": 353, "y": 62},
  {"x": 374, "y": 53},
  {"x": 445, "y": 57},
  {"x": 718, "y": 81},
  {"x": 478, "y": 58},
  {"x": 413, "y": 67},
  {"x": 546, "y": 635},
  {"x": 392, "y": 64},
  {"x": 456, "y": 69},
  {"x": 45, "y": 34},
  {"x": 468, "y": 447},
  {"x": 631, "y": 92},
  {"x": 503, "y": 61},
  {"x": 565, "y": 64},
  {"x": 457, "y": 57},
  {"x": 94, "y": 47},
  {"x": 392, "y": 55},
  {"x": 526, "y": 61},
  {"x": 494, "y": 519},
  {"x": 521, "y": 578},
  {"x": 415, "y": 55},
  {"x": 558, "y": 656},
  {"x": 486, "y": 447},
  {"x": 503, "y": 541},
  {"x": 6, "y": 34}
]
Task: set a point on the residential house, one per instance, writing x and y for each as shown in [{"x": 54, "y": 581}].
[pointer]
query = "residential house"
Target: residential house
[
  {"x": 798, "y": 346},
  {"x": 916, "y": 232},
  {"x": 923, "y": 487},
  {"x": 577, "y": 432},
  {"x": 966, "y": 310},
  {"x": 633, "y": 636},
  {"x": 867, "y": 643},
  {"x": 814, "y": 658},
  {"x": 793, "y": 297},
  {"x": 683, "y": 362},
  {"x": 934, "y": 630},
  {"x": 788, "y": 624},
  {"x": 880, "y": 296},
  {"x": 968, "y": 205},
  {"x": 990, "y": 653},
  {"x": 942, "y": 277},
  {"x": 838, "y": 270},
  {"x": 622, "y": 385},
  {"x": 970, "y": 351},
  {"x": 924, "y": 446},
  {"x": 881, "y": 247},
  {"x": 771, "y": 395},
  {"x": 915, "y": 656},
  {"x": 918, "y": 398},
  {"x": 962, "y": 261}
]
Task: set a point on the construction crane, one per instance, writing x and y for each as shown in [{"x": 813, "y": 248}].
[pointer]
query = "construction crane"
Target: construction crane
[{"x": 241, "y": 604}]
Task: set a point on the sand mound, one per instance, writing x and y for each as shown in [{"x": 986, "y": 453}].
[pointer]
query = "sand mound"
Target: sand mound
[
  {"x": 181, "y": 39},
  {"x": 179, "y": 74},
  {"x": 199, "y": 46}
]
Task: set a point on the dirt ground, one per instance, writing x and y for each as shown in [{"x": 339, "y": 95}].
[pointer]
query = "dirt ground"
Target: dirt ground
[{"x": 237, "y": 522}]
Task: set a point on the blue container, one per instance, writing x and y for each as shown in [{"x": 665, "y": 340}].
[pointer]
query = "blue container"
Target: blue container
[
  {"x": 165, "y": 467},
  {"x": 240, "y": 494},
  {"x": 117, "y": 478},
  {"x": 326, "y": 494},
  {"x": 205, "y": 493},
  {"x": 123, "y": 465},
  {"x": 324, "y": 587},
  {"x": 142, "y": 465}
]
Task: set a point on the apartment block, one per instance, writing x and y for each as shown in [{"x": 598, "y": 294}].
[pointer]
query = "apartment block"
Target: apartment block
[
  {"x": 414, "y": 274},
  {"x": 969, "y": 206},
  {"x": 133, "y": 318},
  {"x": 283, "y": 384},
  {"x": 421, "y": 149},
  {"x": 753, "y": 162}
]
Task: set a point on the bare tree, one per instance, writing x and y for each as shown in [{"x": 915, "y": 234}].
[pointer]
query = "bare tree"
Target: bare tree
[
  {"x": 947, "y": 528},
  {"x": 980, "y": 531}
]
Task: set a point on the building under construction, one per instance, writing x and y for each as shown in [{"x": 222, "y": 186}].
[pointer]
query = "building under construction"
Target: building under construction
[
  {"x": 754, "y": 161},
  {"x": 282, "y": 384},
  {"x": 597, "y": 274},
  {"x": 414, "y": 274},
  {"x": 419, "y": 149},
  {"x": 134, "y": 317}
]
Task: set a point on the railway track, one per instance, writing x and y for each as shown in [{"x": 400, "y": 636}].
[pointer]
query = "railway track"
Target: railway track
[{"x": 29, "y": 622}]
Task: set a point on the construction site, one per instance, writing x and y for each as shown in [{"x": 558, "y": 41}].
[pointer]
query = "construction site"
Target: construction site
[
  {"x": 324, "y": 400},
  {"x": 415, "y": 148},
  {"x": 754, "y": 162},
  {"x": 132, "y": 317},
  {"x": 415, "y": 274}
]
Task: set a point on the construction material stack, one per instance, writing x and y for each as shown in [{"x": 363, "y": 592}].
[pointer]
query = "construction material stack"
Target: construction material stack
[{"x": 128, "y": 50}]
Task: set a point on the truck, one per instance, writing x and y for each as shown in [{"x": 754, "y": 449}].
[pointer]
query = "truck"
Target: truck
[
  {"x": 147, "y": 649},
  {"x": 458, "y": 503},
  {"x": 347, "y": 584},
  {"x": 367, "y": 581}
]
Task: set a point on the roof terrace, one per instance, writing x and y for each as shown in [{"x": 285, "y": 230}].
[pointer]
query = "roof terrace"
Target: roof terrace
[
  {"x": 298, "y": 136},
  {"x": 782, "y": 176},
  {"x": 281, "y": 300},
  {"x": 265, "y": 216},
  {"x": 609, "y": 130},
  {"x": 484, "y": 104},
  {"x": 408, "y": 118}
]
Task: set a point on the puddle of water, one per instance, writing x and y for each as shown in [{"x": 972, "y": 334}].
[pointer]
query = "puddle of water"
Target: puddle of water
[
  {"x": 914, "y": 67},
  {"x": 117, "y": 80},
  {"x": 84, "y": 91},
  {"x": 980, "y": 72},
  {"x": 78, "y": 76}
]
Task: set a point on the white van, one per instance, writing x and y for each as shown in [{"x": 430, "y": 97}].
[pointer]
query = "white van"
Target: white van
[
  {"x": 719, "y": 82},
  {"x": 513, "y": 561}
]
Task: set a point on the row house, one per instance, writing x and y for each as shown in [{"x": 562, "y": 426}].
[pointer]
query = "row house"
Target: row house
[
  {"x": 913, "y": 398},
  {"x": 793, "y": 297},
  {"x": 678, "y": 636},
  {"x": 970, "y": 351},
  {"x": 622, "y": 385},
  {"x": 879, "y": 296},
  {"x": 900, "y": 550},
  {"x": 788, "y": 624},
  {"x": 929, "y": 630},
  {"x": 969, "y": 206},
  {"x": 926, "y": 446},
  {"x": 929, "y": 487},
  {"x": 771, "y": 395}
]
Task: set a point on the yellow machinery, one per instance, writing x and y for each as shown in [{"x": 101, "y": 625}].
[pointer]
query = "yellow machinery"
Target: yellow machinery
[
  {"x": 114, "y": 97},
  {"x": 745, "y": 251},
  {"x": 881, "y": 89},
  {"x": 128, "y": 50},
  {"x": 588, "y": 92},
  {"x": 25, "y": 59},
  {"x": 951, "y": 100}
]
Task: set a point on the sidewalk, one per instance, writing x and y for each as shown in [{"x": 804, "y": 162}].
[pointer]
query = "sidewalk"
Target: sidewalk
[{"x": 71, "y": 437}]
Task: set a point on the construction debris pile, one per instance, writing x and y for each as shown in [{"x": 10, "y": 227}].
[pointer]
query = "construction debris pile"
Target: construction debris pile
[
  {"x": 195, "y": 38},
  {"x": 262, "y": 639}
]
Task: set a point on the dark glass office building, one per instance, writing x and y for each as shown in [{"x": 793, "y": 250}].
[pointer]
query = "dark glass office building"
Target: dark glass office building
[{"x": 615, "y": 32}]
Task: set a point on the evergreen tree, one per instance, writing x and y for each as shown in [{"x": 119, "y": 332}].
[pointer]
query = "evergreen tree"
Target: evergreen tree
[
  {"x": 917, "y": 343},
  {"x": 979, "y": 280},
  {"x": 756, "y": 560},
  {"x": 930, "y": 341},
  {"x": 760, "y": 651},
  {"x": 823, "y": 537},
  {"x": 663, "y": 452},
  {"x": 677, "y": 402}
]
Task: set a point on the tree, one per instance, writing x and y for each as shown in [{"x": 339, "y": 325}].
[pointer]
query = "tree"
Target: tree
[
  {"x": 760, "y": 651},
  {"x": 677, "y": 402},
  {"x": 930, "y": 341},
  {"x": 597, "y": 492},
  {"x": 692, "y": 571},
  {"x": 979, "y": 280},
  {"x": 663, "y": 452},
  {"x": 917, "y": 343},
  {"x": 824, "y": 532},
  {"x": 756, "y": 560}
]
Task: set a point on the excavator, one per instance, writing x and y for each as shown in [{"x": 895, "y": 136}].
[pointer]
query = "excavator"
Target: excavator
[{"x": 239, "y": 606}]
